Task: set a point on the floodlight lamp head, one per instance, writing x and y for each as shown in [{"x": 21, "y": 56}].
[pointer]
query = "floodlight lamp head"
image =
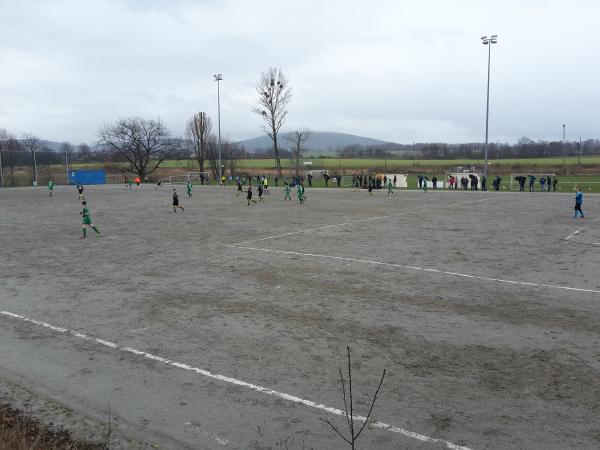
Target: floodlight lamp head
[
  {"x": 483, "y": 38},
  {"x": 218, "y": 77}
]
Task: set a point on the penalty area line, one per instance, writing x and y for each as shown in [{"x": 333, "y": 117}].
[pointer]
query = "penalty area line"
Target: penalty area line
[
  {"x": 574, "y": 233},
  {"x": 351, "y": 222},
  {"x": 226, "y": 379},
  {"x": 423, "y": 269}
]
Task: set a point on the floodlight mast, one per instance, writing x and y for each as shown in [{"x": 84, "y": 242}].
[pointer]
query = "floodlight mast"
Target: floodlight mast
[
  {"x": 493, "y": 39},
  {"x": 218, "y": 78}
]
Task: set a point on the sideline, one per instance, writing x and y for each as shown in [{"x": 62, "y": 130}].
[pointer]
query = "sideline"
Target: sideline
[{"x": 263, "y": 390}]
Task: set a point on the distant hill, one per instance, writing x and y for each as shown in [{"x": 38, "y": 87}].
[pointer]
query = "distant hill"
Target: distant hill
[{"x": 327, "y": 142}]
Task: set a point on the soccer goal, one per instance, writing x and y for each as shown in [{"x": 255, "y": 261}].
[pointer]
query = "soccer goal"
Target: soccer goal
[
  {"x": 317, "y": 173},
  {"x": 458, "y": 176},
  {"x": 194, "y": 177},
  {"x": 401, "y": 179}
]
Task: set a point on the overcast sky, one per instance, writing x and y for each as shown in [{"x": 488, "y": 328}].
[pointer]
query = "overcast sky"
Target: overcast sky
[{"x": 398, "y": 70}]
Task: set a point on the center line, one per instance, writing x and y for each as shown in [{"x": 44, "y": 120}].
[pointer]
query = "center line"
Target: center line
[
  {"x": 226, "y": 379},
  {"x": 424, "y": 269}
]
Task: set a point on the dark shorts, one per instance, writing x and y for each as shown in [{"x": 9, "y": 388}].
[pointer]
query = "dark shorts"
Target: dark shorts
[{"x": 175, "y": 202}]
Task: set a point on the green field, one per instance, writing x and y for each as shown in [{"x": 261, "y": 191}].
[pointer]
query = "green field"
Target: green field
[
  {"x": 331, "y": 163},
  {"x": 360, "y": 163},
  {"x": 371, "y": 163}
]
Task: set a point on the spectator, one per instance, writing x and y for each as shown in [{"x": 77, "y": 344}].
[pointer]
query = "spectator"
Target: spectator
[
  {"x": 497, "y": 181},
  {"x": 434, "y": 182},
  {"x": 554, "y": 183}
]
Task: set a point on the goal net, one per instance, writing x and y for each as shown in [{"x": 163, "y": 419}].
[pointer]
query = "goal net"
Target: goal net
[
  {"x": 317, "y": 173},
  {"x": 458, "y": 176},
  {"x": 401, "y": 179},
  {"x": 194, "y": 177}
]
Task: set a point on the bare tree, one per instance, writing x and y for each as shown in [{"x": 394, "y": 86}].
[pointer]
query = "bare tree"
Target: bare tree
[
  {"x": 11, "y": 147},
  {"x": 232, "y": 153},
  {"x": 298, "y": 138},
  {"x": 32, "y": 144},
  {"x": 349, "y": 407},
  {"x": 274, "y": 94},
  {"x": 212, "y": 156},
  {"x": 197, "y": 131},
  {"x": 85, "y": 152},
  {"x": 230, "y": 156},
  {"x": 144, "y": 144}
]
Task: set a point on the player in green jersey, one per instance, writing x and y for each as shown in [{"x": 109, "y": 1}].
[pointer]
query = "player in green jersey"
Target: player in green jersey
[
  {"x": 300, "y": 193},
  {"x": 189, "y": 188},
  {"x": 86, "y": 220},
  {"x": 390, "y": 188},
  {"x": 287, "y": 189},
  {"x": 50, "y": 187}
]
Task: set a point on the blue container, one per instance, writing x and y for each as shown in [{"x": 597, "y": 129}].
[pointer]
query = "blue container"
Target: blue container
[{"x": 87, "y": 176}]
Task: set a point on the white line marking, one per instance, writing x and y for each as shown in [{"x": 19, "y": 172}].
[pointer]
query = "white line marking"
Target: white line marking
[
  {"x": 402, "y": 266},
  {"x": 254, "y": 387},
  {"x": 353, "y": 222},
  {"x": 574, "y": 233}
]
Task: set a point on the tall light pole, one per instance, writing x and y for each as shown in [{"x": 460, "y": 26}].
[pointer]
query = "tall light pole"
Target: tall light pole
[
  {"x": 67, "y": 164},
  {"x": 564, "y": 148},
  {"x": 488, "y": 41},
  {"x": 1, "y": 172},
  {"x": 35, "y": 180},
  {"x": 218, "y": 78}
]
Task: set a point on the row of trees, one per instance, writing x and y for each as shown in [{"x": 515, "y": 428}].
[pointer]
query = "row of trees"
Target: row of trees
[
  {"x": 28, "y": 150},
  {"x": 524, "y": 148}
]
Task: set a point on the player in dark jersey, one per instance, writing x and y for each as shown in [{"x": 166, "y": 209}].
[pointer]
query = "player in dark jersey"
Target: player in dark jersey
[{"x": 176, "y": 201}]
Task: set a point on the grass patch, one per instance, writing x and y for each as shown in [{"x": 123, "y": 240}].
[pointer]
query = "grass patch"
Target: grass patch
[{"x": 20, "y": 431}]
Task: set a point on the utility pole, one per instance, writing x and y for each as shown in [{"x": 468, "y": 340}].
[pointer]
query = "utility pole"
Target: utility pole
[
  {"x": 67, "y": 164},
  {"x": 218, "y": 78},
  {"x": 564, "y": 150},
  {"x": 1, "y": 172}
]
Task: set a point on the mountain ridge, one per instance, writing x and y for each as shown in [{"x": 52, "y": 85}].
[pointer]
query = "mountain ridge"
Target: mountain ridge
[{"x": 328, "y": 141}]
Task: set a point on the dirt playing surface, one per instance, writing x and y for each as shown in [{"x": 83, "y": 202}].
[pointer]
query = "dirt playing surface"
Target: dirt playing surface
[{"x": 495, "y": 347}]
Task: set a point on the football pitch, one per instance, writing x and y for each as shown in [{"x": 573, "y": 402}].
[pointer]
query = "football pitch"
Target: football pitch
[{"x": 223, "y": 326}]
